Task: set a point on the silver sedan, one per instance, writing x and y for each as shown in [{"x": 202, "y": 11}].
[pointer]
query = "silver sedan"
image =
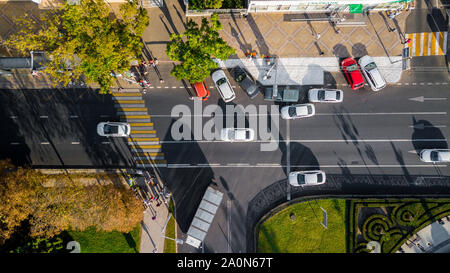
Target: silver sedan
[
  {"x": 307, "y": 178},
  {"x": 325, "y": 95},
  {"x": 114, "y": 129},
  {"x": 298, "y": 111}
]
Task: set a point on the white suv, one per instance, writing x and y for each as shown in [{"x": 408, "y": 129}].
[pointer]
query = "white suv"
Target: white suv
[
  {"x": 372, "y": 74},
  {"x": 223, "y": 85}
]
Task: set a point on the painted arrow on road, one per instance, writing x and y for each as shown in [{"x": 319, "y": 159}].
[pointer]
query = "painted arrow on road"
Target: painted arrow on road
[
  {"x": 422, "y": 99},
  {"x": 422, "y": 126}
]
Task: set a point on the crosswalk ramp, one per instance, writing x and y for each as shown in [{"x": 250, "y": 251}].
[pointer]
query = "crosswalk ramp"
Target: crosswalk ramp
[
  {"x": 427, "y": 44},
  {"x": 143, "y": 143}
]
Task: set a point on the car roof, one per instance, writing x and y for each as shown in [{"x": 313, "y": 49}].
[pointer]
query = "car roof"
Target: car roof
[
  {"x": 200, "y": 89},
  {"x": 226, "y": 91}
]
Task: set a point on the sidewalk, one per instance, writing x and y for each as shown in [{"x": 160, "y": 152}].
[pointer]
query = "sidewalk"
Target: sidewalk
[
  {"x": 309, "y": 71},
  {"x": 434, "y": 238}
]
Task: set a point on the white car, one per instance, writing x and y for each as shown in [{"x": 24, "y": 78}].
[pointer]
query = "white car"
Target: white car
[
  {"x": 114, "y": 129},
  {"x": 298, "y": 111},
  {"x": 237, "y": 134},
  {"x": 435, "y": 155},
  {"x": 371, "y": 72},
  {"x": 223, "y": 85},
  {"x": 325, "y": 95},
  {"x": 307, "y": 178}
]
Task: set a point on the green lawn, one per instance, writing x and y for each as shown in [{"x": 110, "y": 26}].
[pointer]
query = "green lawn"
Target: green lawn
[
  {"x": 170, "y": 245},
  {"x": 280, "y": 234},
  {"x": 92, "y": 241}
]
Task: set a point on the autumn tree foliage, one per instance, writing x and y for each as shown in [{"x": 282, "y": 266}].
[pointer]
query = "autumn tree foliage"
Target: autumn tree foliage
[
  {"x": 84, "y": 40},
  {"x": 49, "y": 210},
  {"x": 196, "y": 48}
]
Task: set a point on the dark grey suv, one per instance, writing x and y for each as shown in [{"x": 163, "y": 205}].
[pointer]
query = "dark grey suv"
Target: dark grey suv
[{"x": 245, "y": 81}]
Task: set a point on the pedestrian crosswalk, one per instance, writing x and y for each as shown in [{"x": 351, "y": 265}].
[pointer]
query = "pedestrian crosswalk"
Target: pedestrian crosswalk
[
  {"x": 142, "y": 142},
  {"x": 427, "y": 43}
]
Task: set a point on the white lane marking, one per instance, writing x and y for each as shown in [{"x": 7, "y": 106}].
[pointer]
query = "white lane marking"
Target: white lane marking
[
  {"x": 151, "y": 87},
  {"x": 75, "y": 143},
  {"x": 437, "y": 126},
  {"x": 174, "y": 87},
  {"x": 158, "y": 87},
  {"x": 13, "y": 116},
  {"x": 304, "y": 140},
  {"x": 104, "y": 116},
  {"x": 166, "y": 87},
  {"x": 45, "y": 143},
  {"x": 429, "y": 44},
  {"x": 74, "y": 116},
  {"x": 43, "y": 116},
  {"x": 406, "y": 83},
  {"x": 399, "y": 83},
  {"x": 414, "y": 45},
  {"x": 304, "y": 166},
  {"x": 414, "y": 83},
  {"x": 14, "y": 143},
  {"x": 105, "y": 142},
  {"x": 238, "y": 164},
  {"x": 422, "y": 83},
  {"x": 317, "y": 114},
  {"x": 445, "y": 83}
]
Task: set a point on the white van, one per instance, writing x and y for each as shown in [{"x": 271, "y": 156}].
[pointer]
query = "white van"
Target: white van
[{"x": 223, "y": 85}]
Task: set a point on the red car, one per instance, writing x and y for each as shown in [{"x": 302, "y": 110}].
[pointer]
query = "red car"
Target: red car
[
  {"x": 201, "y": 91},
  {"x": 352, "y": 73}
]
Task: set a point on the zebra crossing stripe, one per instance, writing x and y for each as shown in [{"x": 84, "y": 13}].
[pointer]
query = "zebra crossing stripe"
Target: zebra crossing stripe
[
  {"x": 444, "y": 43},
  {"x": 427, "y": 43},
  {"x": 433, "y": 44}
]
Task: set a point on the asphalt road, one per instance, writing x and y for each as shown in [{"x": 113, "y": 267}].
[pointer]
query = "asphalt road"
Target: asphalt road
[
  {"x": 370, "y": 133},
  {"x": 52, "y": 128}
]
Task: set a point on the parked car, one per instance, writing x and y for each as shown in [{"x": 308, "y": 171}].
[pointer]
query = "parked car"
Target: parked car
[
  {"x": 223, "y": 85},
  {"x": 307, "y": 178},
  {"x": 371, "y": 72},
  {"x": 201, "y": 90},
  {"x": 352, "y": 73},
  {"x": 114, "y": 129},
  {"x": 435, "y": 155},
  {"x": 325, "y": 95},
  {"x": 237, "y": 134},
  {"x": 298, "y": 111},
  {"x": 246, "y": 81}
]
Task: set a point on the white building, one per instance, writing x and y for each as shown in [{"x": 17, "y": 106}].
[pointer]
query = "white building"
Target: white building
[{"x": 351, "y": 6}]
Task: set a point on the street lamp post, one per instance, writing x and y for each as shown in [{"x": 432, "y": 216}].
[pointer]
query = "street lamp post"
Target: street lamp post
[{"x": 178, "y": 241}]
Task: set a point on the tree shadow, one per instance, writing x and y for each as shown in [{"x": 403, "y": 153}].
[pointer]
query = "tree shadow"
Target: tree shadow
[{"x": 130, "y": 241}]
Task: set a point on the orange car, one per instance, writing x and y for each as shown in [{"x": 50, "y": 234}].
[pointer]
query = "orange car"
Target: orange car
[{"x": 201, "y": 90}]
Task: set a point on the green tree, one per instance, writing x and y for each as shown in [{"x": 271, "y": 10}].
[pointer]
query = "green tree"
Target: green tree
[
  {"x": 205, "y": 4},
  {"x": 196, "y": 50},
  {"x": 84, "y": 40},
  {"x": 47, "y": 210}
]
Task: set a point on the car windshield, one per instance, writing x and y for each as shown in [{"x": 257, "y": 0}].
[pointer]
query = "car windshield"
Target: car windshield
[
  {"x": 338, "y": 95},
  {"x": 352, "y": 67},
  {"x": 292, "y": 111},
  {"x": 301, "y": 179},
  {"x": 434, "y": 155},
  {"x": 240, "y": 77},
  {"x": 319, "y": 177},
  {"x": 309, "y": 110},
  {"x": 359, "y": 84},
  {"x": 247, "y": 134},
  {"x": 321, "y": 95},
  {"x": 221, "y": 81},
  {"x": 111, "y": 129},
  {"x": 370, "y": 66}
]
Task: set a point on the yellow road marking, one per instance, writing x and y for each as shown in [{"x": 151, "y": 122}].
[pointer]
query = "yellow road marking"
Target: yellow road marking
[{"x": 441, "y": 44}]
